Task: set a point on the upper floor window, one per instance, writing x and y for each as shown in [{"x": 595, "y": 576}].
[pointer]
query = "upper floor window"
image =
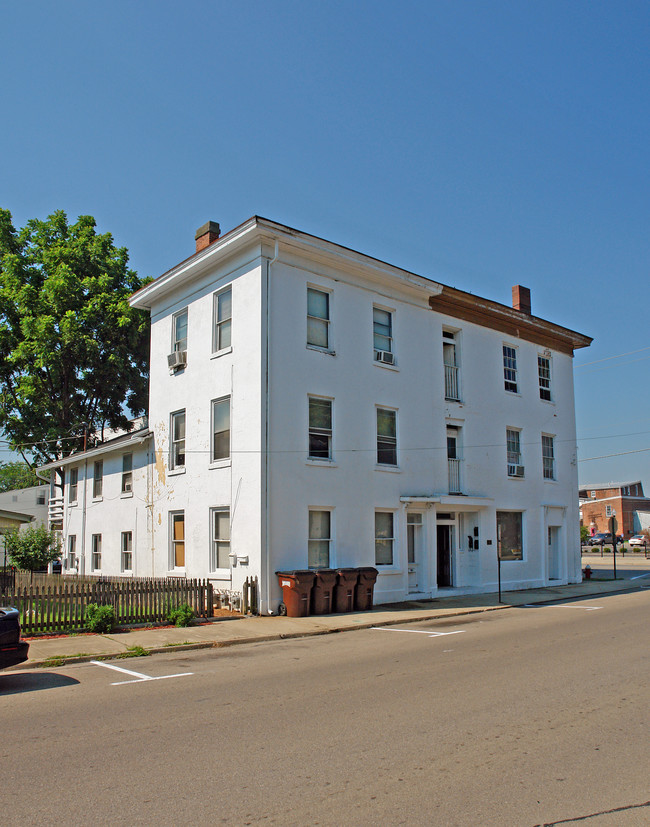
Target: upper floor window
[
  {"x": 548, "y": 457},
  {"x": 320, "y": 428},
  {"x": 608, "y": 511},
  {"x": 127, "y": 473},
  {"x": 73, "y": 482},
  {"x": 220, "y": 552},
  {"x": 454, "y": 458},
  {"x": 179, "y": 331},
  {"x": 177, "y": 452},
  {"x": 318, "y": 318},
  {"x": 320, "y": 537},
  {"x": 513, "y": 449},
  {"x": 544, "y": 376},
  {"x": 510, "y": 368},
  {"x": 386, "y": 437},
  {"x": 98, "y": 479},
  {"x": 450, "y": 361},
  {"x": 221, "y": 429},
  {"x": 222, "y": 319},
  {"x": 382, "y": 335},
  {"x": 40, "y": 496}
]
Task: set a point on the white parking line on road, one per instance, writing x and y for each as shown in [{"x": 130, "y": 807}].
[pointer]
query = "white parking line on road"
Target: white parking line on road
[
  {"x": 416, "y": 631},
  {"x": 140, "y": 678},
  {"x": 582, "y": 608},
  {"x": 639, "y": 576}
]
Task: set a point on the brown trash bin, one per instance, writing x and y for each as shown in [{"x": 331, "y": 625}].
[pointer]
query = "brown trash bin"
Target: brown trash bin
[
  {"x": 344, "y": 592},
  {"x": 322, "y": 596},
  {"x": 364, "y": 590},
  {"x": 296, "y": 591}
]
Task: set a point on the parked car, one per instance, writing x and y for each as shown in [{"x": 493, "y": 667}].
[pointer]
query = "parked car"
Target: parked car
[
  {"x": 638, "y": 540},
  {"x": 13, "y": 650},
  {"x": 600, "y": 538}
]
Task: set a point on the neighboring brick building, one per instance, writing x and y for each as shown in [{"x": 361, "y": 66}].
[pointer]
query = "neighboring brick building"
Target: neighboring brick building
[{"x": 624, "y": 501}]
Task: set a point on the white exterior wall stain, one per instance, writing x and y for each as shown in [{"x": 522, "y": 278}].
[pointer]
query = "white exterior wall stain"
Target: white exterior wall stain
[{"x": 352, "y": 486}]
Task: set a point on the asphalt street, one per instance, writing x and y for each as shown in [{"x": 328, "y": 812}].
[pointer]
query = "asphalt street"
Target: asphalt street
[{"x": 526, "y": 716}]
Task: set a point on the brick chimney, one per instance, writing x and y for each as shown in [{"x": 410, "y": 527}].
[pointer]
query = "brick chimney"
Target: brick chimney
[
  {"x": 206, "y": 235},
  {"x": 521, "y": 298}
]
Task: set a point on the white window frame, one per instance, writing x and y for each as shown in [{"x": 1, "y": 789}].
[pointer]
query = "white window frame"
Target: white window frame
[
  {"x": 320, "y": 321},
  {"x": 383, "y": 333},
  {"x": 451, "y": 371},
  {"x": 515, "y": 555},
  {"x": 127, "y": 475},
  {"x": 608, "y": 511},
  {"x": 177, "y": 444},
  {"x": 173, "y": 542},
  {"x": 548, "y": 459},
  {"x": 219, "y": 546},
  {"x": 71, "y": 557},
  {"x": 73, "y": 486},
  {"x": 386, "y": 439},
  {"x": 126, "y": 551},
  {"x": 510, "y": 375},
  {"x": 213, "y": 406},
  {"x": 513, "y": 451},
  {"x": 222, "y": 323},
  {"x": 179, "y": 343},
  {"x": 313, "y": 541},
  {"x": 98, "y": 479},
  {"x": 391, "y": 540},
  {"x": 96, "y": 552},
  {"x": 544, "y": 375},
  {"x": 316, "y": 432}
]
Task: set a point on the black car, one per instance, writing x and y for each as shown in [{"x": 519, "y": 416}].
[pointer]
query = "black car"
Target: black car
[{"x": 13, "y": 650}]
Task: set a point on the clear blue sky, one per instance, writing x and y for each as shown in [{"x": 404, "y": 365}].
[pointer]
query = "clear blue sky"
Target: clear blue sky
[{"x": 482, "y": 144}]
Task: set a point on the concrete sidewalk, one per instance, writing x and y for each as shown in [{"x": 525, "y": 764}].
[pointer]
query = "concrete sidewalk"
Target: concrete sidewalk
[{"x": 55, "y": 651}]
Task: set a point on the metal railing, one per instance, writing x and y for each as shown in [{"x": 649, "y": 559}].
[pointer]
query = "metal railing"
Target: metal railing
[
  {"x": 451, "y": 383},
  {"x": 454, "y": 476}
]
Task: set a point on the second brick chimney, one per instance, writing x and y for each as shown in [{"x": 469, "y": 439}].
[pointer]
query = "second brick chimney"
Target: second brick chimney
[
  {"x": 206, "y": 235},
  {"x": 521, "y": 298}
]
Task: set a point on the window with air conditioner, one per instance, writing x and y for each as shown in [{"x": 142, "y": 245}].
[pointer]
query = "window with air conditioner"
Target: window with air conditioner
[
  {"x": 513, "y": 450},
  {"x": 127, "y": 474},
  {"x": 382, "y": 336},
  {"x": 178, "y": 356}
]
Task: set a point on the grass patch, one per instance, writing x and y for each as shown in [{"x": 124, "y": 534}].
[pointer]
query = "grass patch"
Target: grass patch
[
  {"x": 134, "y": 652},
  {"x": 56, "y": 660},
  {"x": 182, "y": 643}
]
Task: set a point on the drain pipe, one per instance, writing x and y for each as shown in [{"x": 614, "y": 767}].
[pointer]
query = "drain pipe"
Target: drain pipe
[{"x": 267, "y": 544}]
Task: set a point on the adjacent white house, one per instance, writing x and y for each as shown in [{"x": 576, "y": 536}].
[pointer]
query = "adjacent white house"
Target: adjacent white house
[{"x": 311, "y": 406}]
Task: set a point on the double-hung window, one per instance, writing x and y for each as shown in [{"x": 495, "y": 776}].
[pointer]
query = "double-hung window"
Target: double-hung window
[
  {"x": 320, "y": 428},
  {"x": 177, "y": 446},
  {"x": 386, "y": 437},
  {"x": 450, "y": 363},
  {"x": 544, "y": 377},
  {"x": 179, "y": 331},
  {"x": 318, "y": 318},
  {"x": 220, "y": 429},
  {"x": 72, "y": 551},
  {"x": 127, "y": 473},
  {"x": 127, "y": 551},
  {"x": 96, "y": 558},
  {"x": 177, "y": 539},
  {"x": 73, "y": 485},
  {"x": 513, "y": 450},
  {"x": 320, "y": 537},
  {"x": 222, "y": 320},
  {"x": 548, "y": 457},
  {"x": 510, "y": 368},
  {"x": 220, "y": 551},
  {"x": 382, "y": 335},
  {"x": 98, "y": 479},
  {"x": 384, "y": 538}
]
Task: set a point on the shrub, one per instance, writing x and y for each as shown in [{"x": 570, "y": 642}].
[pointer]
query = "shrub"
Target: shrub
[
  {"x": 183, "y": 615},
  {"x": 99, "y": 618}
]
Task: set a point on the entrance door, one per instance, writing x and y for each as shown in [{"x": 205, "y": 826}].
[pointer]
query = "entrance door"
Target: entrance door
[
  {"x": 414, "y": 548},
  {"x": 554, "y": 552},
  {"x": 444, "y": 555}
]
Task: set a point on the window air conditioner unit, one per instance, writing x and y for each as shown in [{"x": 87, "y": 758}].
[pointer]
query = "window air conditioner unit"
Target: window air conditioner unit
[
  {"x": 385, "y": 356},
  {"x": 177, "y": 359},
  {"x": 515, "y": 470}
]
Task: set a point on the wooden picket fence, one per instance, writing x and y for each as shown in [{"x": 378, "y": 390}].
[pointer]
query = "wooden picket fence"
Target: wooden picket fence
[{"x": 62, "y": 608}]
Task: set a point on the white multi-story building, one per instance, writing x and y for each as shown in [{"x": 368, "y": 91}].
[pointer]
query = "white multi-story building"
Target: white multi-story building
[{"x": 311, "y": 406}]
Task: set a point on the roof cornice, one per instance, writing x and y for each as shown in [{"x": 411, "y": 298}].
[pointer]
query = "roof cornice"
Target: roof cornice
[{"x": 119, "y": 444}]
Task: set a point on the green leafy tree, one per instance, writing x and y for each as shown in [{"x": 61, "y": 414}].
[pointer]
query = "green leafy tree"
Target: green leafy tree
[
  {"x": 33, "y": 548},
  {"x": 584, "y": 534},
  {"x": 16, "y": 475},
  {"x": 73, "y": 354}
]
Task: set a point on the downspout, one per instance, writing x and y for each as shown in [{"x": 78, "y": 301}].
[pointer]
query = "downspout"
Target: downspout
[
  {"x": 266, "y": 424},
  {"x": 82, "y": 566}
]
